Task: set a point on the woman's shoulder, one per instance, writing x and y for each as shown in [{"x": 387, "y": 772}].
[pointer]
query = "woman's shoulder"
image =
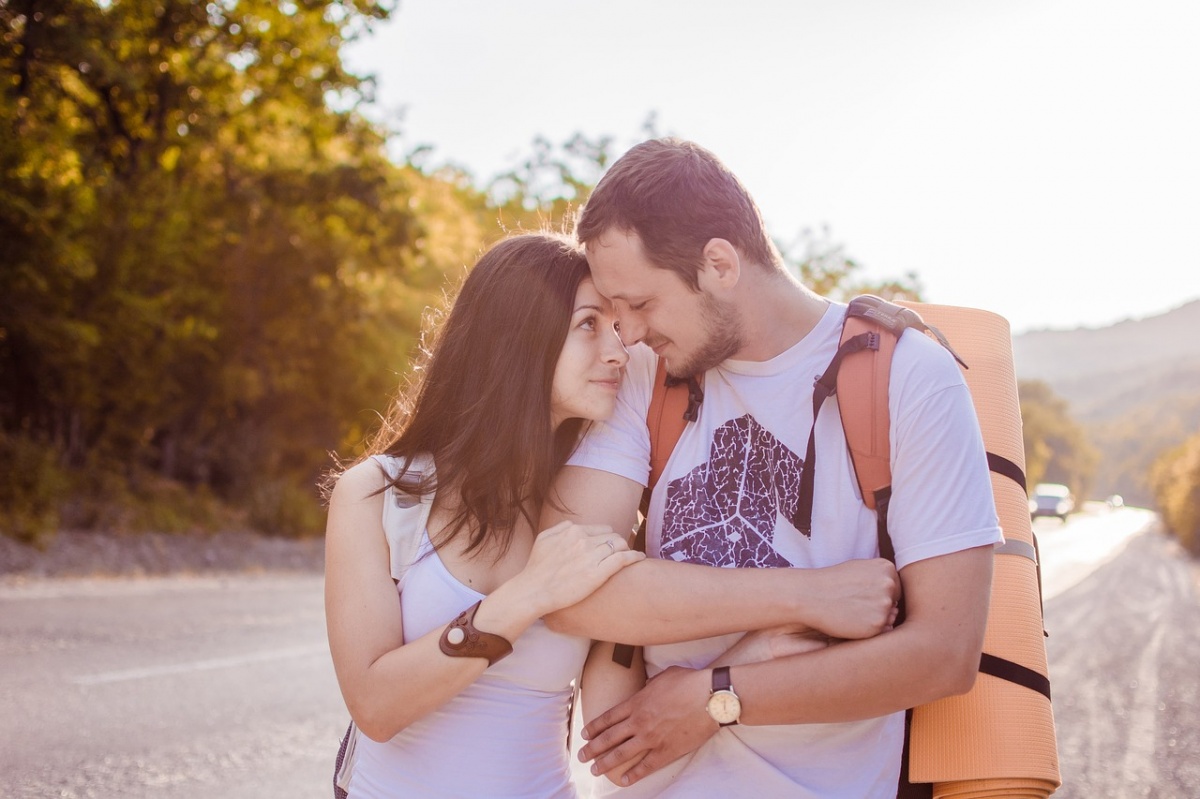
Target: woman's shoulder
[{"x": 361, "y": 481}]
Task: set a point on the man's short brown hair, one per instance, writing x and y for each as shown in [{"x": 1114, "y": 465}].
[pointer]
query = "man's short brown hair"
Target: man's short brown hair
[{"x": 676, "y": 196}]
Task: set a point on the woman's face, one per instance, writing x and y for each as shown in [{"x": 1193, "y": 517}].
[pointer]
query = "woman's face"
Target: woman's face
[{"x": 592, "y": 361}]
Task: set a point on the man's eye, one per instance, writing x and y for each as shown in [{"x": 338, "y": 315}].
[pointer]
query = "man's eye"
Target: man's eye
[{"x": 639, "y": 306}]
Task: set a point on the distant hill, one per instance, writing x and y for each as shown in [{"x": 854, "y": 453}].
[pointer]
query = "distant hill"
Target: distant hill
[{"x": 1135, "y": 386}]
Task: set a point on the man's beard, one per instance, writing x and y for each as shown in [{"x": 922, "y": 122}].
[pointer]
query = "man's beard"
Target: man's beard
[{"x": 724, "y": 338}]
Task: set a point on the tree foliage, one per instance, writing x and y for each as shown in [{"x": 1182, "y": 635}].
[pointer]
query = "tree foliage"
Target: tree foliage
[
  {"x": 822, "y": 264},
  {"x": 1057, "y": 449},
  {"x": 1132, "y": 442},
  {"x": 1175, "y": 478},
  {"x": 207, "y": 258}
]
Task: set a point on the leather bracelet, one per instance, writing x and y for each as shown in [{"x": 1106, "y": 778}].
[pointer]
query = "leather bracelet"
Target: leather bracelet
[{"x": 462, "y": 640}]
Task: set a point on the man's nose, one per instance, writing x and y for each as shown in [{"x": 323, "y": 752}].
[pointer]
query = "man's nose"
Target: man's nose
[{"x": 629, "y": 328}]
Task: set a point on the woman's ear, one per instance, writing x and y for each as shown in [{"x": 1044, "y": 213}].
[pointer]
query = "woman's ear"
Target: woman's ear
[{"x": 721, "y": 267}]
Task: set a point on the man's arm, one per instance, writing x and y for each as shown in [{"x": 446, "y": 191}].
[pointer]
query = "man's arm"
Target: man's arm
[
  {"x": 656, "y": 601},
  {"x": 935, "y": 653}
]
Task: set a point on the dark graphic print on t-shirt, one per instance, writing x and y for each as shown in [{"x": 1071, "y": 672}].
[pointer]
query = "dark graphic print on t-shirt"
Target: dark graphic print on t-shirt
[{"x": 724, "y": 512}]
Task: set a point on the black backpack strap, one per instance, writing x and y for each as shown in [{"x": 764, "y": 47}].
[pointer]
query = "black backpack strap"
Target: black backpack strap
[
  {"x": 623, "y": 653},
  {"x": 824, "y": 388}
]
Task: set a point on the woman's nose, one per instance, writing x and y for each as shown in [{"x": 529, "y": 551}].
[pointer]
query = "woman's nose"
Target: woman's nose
[{"x": 614, "y": 348}]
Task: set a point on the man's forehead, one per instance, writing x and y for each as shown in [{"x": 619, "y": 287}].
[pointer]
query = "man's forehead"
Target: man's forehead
[
  {"x": 609, "y": 287},
  {"x": 616, "y": 258}
]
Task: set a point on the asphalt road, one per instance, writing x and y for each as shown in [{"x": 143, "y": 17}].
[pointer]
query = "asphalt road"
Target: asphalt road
[
  {"x": 222, "y": 687},
  {"x": 189, "y": 688},
  {"x": 1124, "y": 650}
]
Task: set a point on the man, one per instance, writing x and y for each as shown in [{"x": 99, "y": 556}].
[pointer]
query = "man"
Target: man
[{"x": 677, "y": 243}]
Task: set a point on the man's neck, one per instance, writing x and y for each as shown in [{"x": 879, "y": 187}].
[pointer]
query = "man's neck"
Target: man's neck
[{"x": 777, "y": 312}]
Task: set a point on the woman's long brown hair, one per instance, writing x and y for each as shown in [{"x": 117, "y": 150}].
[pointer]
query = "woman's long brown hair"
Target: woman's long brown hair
[{"x": 481, "y": 403}]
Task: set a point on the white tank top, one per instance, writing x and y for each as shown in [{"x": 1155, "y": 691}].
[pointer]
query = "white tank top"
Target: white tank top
[{"x": 505, "y": 735}]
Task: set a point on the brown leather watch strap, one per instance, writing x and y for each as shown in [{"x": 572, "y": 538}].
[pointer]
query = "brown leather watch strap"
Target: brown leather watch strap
[{"x": 462, "y": 640}]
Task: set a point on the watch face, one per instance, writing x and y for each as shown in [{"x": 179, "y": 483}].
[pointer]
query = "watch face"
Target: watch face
[{"x": 724, "y": 707}]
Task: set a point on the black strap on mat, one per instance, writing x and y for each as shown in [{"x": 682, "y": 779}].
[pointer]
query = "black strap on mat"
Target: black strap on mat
[
  {"x": 1015, "y": 673},
  {"x": 906, "y": 789},
  {"x": 1002, "y": 465}
]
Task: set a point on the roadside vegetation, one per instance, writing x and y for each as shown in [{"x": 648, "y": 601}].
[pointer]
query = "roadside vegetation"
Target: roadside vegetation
[
  {"x": 1057, "y": 449},
  {"x": 1176, "y": 481}
]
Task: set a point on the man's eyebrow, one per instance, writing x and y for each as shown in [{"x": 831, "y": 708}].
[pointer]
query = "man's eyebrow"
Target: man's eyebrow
[{"x": 618, "y": 296}]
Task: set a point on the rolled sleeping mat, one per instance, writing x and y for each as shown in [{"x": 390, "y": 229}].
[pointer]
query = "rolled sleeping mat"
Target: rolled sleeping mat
[{"x": 998, "y": 739}]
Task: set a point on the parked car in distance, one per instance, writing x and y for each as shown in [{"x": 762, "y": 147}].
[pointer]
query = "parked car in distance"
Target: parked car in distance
[{"x": 1051, "y": 499}]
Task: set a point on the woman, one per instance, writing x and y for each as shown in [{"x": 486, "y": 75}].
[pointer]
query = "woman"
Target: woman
[{"x": 528, "y": 354}]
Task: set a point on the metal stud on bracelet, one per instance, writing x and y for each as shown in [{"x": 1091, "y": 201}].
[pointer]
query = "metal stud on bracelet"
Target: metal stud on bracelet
[{"x": 462, "y": 640}]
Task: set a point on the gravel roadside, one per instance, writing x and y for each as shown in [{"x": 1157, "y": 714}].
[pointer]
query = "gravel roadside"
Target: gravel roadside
[{"x": 94, "y": 554}]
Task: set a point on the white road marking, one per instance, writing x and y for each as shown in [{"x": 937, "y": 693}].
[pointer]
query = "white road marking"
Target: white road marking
[{"x": 201, "y": 665}]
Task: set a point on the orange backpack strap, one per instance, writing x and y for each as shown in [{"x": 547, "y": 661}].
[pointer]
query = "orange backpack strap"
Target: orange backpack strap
[
  {"x": 862, "y": 391},
  {"x": 674, "y": 402},
  {"x": 859, "y": 374}
]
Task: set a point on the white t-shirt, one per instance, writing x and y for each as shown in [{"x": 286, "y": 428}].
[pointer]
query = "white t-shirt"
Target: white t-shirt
[{"x": 725, "y": 499}]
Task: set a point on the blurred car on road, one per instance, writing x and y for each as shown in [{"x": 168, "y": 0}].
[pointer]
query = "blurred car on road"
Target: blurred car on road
[{"x": 1051, "y": 499}]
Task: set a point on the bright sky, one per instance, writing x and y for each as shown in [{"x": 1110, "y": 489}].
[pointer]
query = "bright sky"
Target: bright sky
[{"x": 1038, "y": 158}]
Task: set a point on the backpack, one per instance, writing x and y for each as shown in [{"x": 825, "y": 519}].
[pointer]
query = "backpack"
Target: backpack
[{"x": 1000, "y": 735}]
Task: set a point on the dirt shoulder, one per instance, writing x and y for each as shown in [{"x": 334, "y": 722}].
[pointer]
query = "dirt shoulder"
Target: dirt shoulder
[{"x": 92, "y": 554}]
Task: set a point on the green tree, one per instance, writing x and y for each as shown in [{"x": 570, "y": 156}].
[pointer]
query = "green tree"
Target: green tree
[
  {"x": 209, "y": 264},
  {"x": 1056, "y": 448}
]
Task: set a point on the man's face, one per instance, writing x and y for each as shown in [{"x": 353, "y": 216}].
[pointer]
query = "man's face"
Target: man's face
[{"x": 693, "y": 331}]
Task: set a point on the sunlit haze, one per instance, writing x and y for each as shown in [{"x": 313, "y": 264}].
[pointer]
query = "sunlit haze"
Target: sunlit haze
[{"x": 1038, "y": 159}]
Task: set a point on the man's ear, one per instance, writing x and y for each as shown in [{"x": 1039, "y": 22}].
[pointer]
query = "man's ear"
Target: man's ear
[{"x": 721, "y": 267}]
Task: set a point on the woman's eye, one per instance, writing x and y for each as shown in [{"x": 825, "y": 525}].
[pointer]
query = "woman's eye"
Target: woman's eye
[{"x": 589, "y": 323}]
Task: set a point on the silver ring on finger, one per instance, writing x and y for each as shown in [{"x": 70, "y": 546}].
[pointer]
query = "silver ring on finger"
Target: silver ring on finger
[{"x": 612, "y": 550}]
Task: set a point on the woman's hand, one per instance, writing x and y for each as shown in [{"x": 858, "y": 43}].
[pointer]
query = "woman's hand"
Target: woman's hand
[
  {"x": 855, "y": 599},
  {"x": 569, "y": 561}
]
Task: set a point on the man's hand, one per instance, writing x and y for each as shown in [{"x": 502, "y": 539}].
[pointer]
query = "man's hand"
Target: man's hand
[{"x": 658, "y": 725}]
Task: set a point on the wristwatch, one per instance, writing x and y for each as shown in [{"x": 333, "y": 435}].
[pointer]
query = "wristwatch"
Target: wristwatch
[{"x": 723, "y": 704}]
